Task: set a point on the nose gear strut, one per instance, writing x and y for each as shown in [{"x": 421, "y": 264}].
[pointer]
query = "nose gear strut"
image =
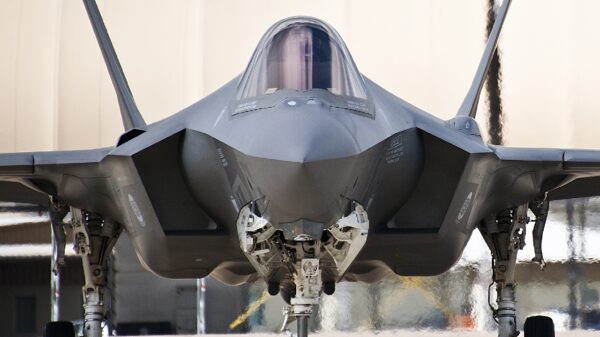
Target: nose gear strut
[{"x": 308, "y": 290}]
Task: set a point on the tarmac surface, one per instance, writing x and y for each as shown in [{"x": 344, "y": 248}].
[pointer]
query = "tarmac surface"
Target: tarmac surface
[{"x": 403, "y": 333}]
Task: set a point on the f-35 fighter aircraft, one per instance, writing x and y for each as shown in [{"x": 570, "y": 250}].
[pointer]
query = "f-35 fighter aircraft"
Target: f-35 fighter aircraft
[{"x": 301, "y": 172}]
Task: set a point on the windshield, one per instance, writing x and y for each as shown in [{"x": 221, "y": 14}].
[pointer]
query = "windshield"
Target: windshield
[{"x": 301, "y": 54}]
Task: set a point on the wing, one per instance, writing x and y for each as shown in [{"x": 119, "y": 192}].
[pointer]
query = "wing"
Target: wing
[
  {"x": 77, "y": 176},
  {"x": 563, "y": 174}
]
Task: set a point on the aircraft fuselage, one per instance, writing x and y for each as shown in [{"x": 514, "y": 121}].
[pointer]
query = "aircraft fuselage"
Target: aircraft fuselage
[{"x": 301, "y": 158}]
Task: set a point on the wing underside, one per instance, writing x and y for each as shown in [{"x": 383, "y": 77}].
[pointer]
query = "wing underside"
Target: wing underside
[
  {"x": 562, "y": 174},
  {"x": 31, "y": 177}
]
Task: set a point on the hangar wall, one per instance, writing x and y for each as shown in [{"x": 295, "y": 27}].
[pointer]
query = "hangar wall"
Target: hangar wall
[{"x": 55, "y": 92}]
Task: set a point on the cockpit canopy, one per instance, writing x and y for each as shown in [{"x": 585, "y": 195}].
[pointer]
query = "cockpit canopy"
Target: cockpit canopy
[{"x": 301, "y": 54}]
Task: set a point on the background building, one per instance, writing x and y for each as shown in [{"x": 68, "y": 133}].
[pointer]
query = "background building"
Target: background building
[{"x": 55, "y": 92}]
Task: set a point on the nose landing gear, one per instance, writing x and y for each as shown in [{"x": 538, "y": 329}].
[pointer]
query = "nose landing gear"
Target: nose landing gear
[{"x": 296, "y": 257}]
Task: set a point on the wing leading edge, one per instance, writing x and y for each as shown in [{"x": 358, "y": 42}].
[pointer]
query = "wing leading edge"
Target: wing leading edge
[
  {"x": 31, "y": 177},
  {"x": 561, "y": 173}
]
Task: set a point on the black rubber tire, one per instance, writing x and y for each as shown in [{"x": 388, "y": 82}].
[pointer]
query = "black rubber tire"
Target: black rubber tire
[
  {"x": 59, "y": 329},
  {"x": 287, "y": 294},
  {"x": 273, "y": 288},
  {"x": 329, "y": 287},
  {"x": 287, "y": 291},
  {"x": 539, "y": 326}
]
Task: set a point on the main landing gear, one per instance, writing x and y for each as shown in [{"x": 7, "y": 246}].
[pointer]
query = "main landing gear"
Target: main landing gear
[
  {"x": 504, "y": 234},
  {"x": 93, "y": 239}
]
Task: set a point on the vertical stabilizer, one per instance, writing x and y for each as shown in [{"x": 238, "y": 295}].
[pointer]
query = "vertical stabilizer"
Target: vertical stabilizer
[
  {"x": 469, "y": 105},
  {"x": 132, "y": 119}
]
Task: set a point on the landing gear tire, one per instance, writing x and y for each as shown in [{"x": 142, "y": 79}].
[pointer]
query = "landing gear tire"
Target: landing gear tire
[
  {"x": 329, "y": 287},
  {"x": 59, "y": 329},
  {"x": 539, "y": 326},
  {"x": 287, "y": 293},
  {"x": 273, "y": 288}
]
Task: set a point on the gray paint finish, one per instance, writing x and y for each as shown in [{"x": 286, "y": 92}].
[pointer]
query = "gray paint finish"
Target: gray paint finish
[{"x": 177, "y": 185}]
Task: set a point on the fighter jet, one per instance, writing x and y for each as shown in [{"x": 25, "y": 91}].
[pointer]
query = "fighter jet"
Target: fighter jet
[{"x": 301, "y": 172}]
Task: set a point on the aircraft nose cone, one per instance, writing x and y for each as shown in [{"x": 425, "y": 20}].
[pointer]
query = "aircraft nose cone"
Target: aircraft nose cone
[
  {"x": 299, "y": 134},
  {"x": 312, "y": 191},
  {"x": 305, "y": 161}
]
